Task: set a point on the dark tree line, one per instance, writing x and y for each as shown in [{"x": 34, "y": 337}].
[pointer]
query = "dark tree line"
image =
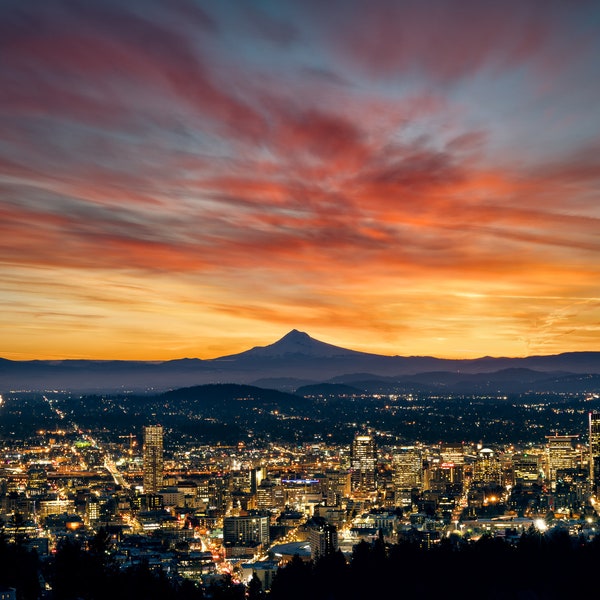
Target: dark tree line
[
  {"x": 76, "y": 572},
  {"x": 19, "y": 568},
  {"x": 539, "y": 566}
]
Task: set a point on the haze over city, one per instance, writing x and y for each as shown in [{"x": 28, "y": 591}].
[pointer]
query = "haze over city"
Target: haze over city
[{"x": 192, "y": 179}]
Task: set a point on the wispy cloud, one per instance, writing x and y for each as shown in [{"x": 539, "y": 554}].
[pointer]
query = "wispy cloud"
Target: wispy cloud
[{"x": 309, "y": 165}]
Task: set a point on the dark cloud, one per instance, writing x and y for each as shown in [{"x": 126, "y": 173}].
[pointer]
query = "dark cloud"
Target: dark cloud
[{"x": 449, "y": 40}]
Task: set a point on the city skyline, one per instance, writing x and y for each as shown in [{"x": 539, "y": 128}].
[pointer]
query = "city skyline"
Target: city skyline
[
  {"x": 191, "y": 179},
  {"x": 240, "y": 514}
]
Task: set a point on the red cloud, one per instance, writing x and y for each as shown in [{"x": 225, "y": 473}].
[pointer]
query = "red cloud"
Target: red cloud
[{"x": 132, "y": 145}]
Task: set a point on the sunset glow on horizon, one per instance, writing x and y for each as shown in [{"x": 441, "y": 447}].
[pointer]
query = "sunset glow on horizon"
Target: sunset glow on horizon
[{"x": 181, "y": 178}]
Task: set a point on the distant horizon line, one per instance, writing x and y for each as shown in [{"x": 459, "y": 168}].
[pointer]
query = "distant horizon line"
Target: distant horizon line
[{"x": 291, "y": 331}]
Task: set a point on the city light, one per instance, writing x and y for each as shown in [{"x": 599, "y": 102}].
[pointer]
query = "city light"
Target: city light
[{"x": 540, "y": 524}]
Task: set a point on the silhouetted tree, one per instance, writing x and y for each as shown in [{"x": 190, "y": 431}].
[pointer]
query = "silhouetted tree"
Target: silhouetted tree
[
  {"x": 189, "y": 590},
  {"x": 19, "y": 568},
  {"x": 330, "y": 577},
  {"x": 226, "y": 590},
  {"x": 369, "y": 572},
  {"x": 255, "y": 588},
  {"x": 69, "y": 573},
  {"x": 139, "y": 581},
  {"x": 292, "y": 581}
]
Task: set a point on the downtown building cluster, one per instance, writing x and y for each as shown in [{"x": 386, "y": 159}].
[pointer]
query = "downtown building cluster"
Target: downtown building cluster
[{"x": 207, "y": 511}]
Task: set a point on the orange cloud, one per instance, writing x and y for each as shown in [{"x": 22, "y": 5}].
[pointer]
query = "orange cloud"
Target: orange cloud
[{"x": 187, "y": 176}]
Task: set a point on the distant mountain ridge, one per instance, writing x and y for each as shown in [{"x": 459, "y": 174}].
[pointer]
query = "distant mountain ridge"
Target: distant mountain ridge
[
  {"x": 297, "y": 359},
  {"x": 295, "y": 343}
]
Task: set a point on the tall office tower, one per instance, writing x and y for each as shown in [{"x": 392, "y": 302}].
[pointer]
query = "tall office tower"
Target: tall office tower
[
  {"x": 92, "y": 510},
  {"x": 37, "y": 482},
  {"x": 453, "y": 453},
  {"x": 487, "y": 468},
  {"x": 337, "y": 487},
  {"x": 363, "y": 465},
  {"x": 407, "y": 463},
  {"x": 250, "y": 528},
  {"x": 257, "y": 474},
  {"x": 594, "y": 441},
  {"x": 526, "y": 468},
  {"x": 322, "y": 537},
  {"x": 560, "y": 454},
  {"x": 153, "y": 458},
  {"x": 269, "y": 495}
]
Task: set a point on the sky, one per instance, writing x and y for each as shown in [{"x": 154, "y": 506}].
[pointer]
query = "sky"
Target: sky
[{"x": 183, "y": 178}]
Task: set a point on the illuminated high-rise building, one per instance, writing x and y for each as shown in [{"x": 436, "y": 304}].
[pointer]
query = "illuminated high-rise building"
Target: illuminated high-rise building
[
  {"x": 453, "y": 453},
  {"x": 561, "y": 453},
  {"x": 250, "y": 528},
  {"x": 37, "y": 482},
  {"x": 594, "y": 442},
  {"x": 487, "y": 468},
  {"x": 92, "y": 510},
  {"x": 153, "y": 458},
  {"x": 363, "y": 465},
  {"x": 407, "y": 463},
  {"x": 526, "y": 468},
  {"x": 452, "y": 465},
  {"x": 337, "y": 487},
  {"x": 322, "y": 537}
]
